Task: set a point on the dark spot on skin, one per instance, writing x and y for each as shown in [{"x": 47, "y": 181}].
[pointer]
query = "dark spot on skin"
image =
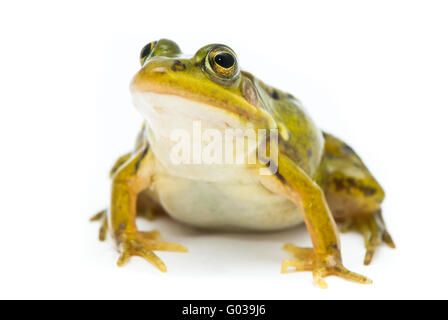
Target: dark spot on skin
[
  {"x": 335, "y": 246},
  {"x": 339, "y": 184},
  {"x": 178, "y": 66},
  {"x": 310, "y": 153},
  {"x": 120, "y": 229},
  {"x": 137, "y": 165},
  {"x": 351, "y": 182},
  {"x": 347, "y": 184},
  {"x": 368, "y": 191},
  {"x": 275, "y": 95},
  {"x": 344, "y": 184},
  {"x": 358, "y": 165},
  {"x": 280, "y": 177},
  {"x": 347, "y": 149}
]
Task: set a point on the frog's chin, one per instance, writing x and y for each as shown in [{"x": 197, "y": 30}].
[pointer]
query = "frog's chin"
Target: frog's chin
[
  {"x": 166, "y": 114},
  {"x": 176, "y": 123}
]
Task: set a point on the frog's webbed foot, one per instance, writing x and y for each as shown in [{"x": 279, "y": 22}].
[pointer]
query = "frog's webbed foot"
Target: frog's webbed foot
[
  {"x": 374, "y": 231},
  {"x": 101, "y": 216},
  {"x": 321, "y": 266},
  {"x": 143, "y": 244}
]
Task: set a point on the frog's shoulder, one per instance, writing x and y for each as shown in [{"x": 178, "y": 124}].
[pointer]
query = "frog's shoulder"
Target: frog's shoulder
[{"x": 299, "y": 138}]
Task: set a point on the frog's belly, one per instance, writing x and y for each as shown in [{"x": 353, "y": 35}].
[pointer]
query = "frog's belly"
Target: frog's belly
[{"x": 225, "y": 205}]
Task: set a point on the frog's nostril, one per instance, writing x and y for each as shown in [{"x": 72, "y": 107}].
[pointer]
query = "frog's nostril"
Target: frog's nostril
[{"x": 178, "y": 66}]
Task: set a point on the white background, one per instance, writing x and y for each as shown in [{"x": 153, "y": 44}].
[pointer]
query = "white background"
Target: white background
[{"x": 374, "y": 73}]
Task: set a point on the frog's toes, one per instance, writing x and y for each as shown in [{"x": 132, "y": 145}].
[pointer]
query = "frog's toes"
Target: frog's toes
[
  {"x": 321, "y": 266},
  {"x": 339, "y": 271},
  {"x": 372, "y": 240},
  {"x": 151, "y": 235},
  {"x": 143, "y": 244},
  {"x": 98, "y": 216},
  {"x": 374, "y": 231},
  {"x": 101, "y": 216}
]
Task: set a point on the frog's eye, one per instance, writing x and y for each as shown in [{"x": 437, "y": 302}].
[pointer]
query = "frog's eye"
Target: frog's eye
[
  {"x": 147, "y": 52},
  {"x": 222, "y": 64}
]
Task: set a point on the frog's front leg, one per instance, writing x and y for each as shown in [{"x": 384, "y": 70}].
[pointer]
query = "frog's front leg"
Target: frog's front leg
[
  {"x": 120, "y": 161},
  {"x": 324, "y": 259},
  {"x": 128, "y": 181},
  {"x": 147, "y": 207},
  {"x": 102, "y": 215}
]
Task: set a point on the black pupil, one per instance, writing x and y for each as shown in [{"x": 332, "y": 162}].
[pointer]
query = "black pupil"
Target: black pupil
[
  {"x": 145, "y": 51},
  {"x": 225, "y": 60}
]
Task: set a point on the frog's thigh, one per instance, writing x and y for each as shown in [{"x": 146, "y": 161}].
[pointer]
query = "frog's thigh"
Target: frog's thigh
[{"x": 353, "y": 194}]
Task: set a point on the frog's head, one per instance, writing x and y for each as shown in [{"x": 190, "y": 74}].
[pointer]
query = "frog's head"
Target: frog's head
[{"x": 208, "y": 86}]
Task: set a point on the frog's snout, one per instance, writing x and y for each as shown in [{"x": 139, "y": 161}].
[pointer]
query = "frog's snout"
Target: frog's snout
[
  {"x": 151, "y": 73},
  {"x": 155, "y": 68}
]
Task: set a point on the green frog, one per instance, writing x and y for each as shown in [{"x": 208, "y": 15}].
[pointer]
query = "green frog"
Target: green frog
[{"x": 303, "y": 175}]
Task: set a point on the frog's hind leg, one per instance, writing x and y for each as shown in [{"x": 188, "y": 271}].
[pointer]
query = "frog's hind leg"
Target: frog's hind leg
[
  {"x": 353, "y": 194},
  {"x": 373, "y": 229}
]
